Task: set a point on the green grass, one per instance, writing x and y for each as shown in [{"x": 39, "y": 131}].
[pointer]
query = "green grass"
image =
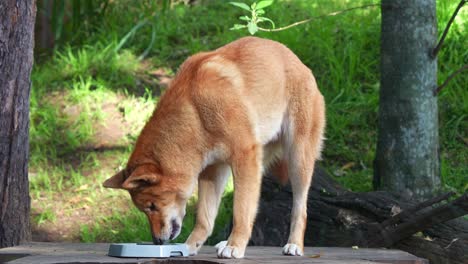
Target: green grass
[
  {"x": 74, "y": 89},
  {"x": 47, "y": 215},
  {"x": 453, "y": 109}
]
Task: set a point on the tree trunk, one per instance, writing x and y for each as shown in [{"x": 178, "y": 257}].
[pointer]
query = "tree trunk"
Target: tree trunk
[
  {"x": 44, "y": 37},
  {"x": 16, "y": 59},
  {"x": 407, "y": 156}
]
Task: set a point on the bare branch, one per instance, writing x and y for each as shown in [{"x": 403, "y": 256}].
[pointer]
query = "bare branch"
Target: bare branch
[
  {"x": 441, "y": 41},
  {"x": 422, "y": 221},
  {"x": 411, "y": 211},
  {"x": 440, "y": 87},
  {"x": 314, "y": 18}
]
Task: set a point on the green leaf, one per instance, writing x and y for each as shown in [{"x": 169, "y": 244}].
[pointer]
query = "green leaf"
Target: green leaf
[
  {"x": 241, "y": 5},
  {"x": 263, "y": 4},
  {"x": 130, "y": 34},
  {"x": 76, "y": 15},
  {"x": 263, "y": 19},
  {"x": 260, "y": 12},
  {"x": 252, "y": 27},
  {"x": 245, "y": 18},
  {"x": 57, "y": 21},
  {"x": 238, "y": 26}
]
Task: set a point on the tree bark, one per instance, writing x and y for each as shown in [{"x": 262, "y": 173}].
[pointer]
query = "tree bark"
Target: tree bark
[
  {"x": 16, "y": 59},
  {"x": 407, "y": 156}
]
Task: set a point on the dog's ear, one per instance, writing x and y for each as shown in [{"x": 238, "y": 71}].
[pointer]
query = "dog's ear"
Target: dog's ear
[
  {"x": 134, "y": 182},
  {"x": 115, "y": 181},
  {"x": 141, "y": 177}
]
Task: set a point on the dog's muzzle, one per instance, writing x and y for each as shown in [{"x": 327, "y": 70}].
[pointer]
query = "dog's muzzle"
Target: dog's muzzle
[{"x": 157, "y": 241}]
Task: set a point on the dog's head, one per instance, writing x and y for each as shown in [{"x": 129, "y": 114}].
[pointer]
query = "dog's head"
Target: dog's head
[{"x": 162, "y": 199}]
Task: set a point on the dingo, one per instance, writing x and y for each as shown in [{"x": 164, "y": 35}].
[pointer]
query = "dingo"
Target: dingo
[{"x": 237, "y": 108}]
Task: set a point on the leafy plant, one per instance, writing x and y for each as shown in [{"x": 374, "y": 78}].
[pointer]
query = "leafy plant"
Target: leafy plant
[
  {"x": 256, "y": 11},
  {"x": 73, "y": 19},
  {"x": 132, "y": 32},
  {"x": 46, "y": 216}
]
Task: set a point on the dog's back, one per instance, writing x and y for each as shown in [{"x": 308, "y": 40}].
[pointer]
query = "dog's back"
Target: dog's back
[{"x": 259, "y": 81}]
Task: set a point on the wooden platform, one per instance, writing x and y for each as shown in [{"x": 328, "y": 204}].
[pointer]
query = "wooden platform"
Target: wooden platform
[{"x": 42, "y": 253}]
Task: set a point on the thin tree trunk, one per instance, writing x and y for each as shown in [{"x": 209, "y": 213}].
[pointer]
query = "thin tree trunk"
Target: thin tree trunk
[
  {"x": 16, "y": 59},
  {"x": 44, "y": 37},
  {"x": 407, "y": 157}
]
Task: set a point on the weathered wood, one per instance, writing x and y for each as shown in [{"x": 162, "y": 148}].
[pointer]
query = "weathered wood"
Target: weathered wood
[
  {"x": 410, "y": 211},
  {"x": 16, "y": 59},
  {"x": 337, "y": 217},
  {"x": 440, "y": 241},
  {"x": 45, "y": 253},
  {"x": 411, "y": 224}
]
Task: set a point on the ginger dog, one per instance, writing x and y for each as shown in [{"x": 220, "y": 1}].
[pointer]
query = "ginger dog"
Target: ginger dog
[{"x": 239, "y": 108}]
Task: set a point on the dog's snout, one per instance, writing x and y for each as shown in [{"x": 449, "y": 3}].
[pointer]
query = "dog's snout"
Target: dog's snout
[
  {"x": 175, "y": 229},
  {"x": 157, "y": 241}
]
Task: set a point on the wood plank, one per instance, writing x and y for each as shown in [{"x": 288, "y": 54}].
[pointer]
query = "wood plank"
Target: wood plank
[{"x": 46, "y": 253}]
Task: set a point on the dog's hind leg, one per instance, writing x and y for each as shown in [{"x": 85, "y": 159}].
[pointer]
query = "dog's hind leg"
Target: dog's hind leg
[
  {"x": 301, "y": 153},
  {"x": 300, "y": 169},
  {"x": 211, "y": 185}
]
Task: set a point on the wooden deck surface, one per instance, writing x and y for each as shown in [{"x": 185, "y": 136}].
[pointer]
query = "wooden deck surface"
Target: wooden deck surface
[{"x": 47, "y": 253}]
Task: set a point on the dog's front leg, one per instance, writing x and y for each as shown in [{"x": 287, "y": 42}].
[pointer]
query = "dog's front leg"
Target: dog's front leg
[
  {"x": 211, "y": 183},
  {"x": 246, "y": 166}
]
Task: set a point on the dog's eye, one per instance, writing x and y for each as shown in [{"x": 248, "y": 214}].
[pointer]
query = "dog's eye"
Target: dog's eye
[{"x": 152, "y": 208}]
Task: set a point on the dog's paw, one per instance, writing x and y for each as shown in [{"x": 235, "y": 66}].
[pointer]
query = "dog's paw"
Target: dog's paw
[
  {"x": 292, "y": 250},
  {"x": 193, "y": 249},
  {"x": 221, "y": 244},
  {"x": 193, "y": 246},
  {"x": 225, "y": 251}
]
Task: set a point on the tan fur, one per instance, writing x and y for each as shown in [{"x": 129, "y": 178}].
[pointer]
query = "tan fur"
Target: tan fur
[{"x": 243, "y": 106}]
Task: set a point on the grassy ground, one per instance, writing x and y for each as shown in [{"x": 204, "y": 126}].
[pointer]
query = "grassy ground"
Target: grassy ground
[{"x": 91, "y": 98}]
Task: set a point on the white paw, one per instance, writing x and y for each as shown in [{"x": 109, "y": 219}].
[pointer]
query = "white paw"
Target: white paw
[
  {"x": 225, "y": 251},
  {"x": 221, "y": 245},
  {"x": 193, "y": 249},
  {"x": 293, "y": 250}
]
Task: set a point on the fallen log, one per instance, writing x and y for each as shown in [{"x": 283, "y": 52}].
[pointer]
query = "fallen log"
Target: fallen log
[{"x": 338, "y": 217}]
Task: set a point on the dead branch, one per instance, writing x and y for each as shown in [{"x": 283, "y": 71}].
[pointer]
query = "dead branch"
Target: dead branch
[
  {"x": 441, "y": 41},
  {"x": 419, "y": 222},
  {"x": 411, "y": 211},
  {"x": 315, "y": 18},
  {"x": 440, "y": 87}
]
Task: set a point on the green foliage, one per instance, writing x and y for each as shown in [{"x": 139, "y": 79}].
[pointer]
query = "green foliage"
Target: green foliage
[
  {"x": 131, "y": 226},
  {"x": 47, "y": 215},
  {"x": 255, "y": 10},
  {"x": 70, "y": 98},
  {"x": 68, "y": 92},
  {"x": 133, "y": 31},
  {"x": 74, "y": 19},
  {"x": 453, "y": 109}
]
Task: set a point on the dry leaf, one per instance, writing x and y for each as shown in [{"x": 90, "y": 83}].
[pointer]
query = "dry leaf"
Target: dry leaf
[{"x": 348, "y": 165}]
